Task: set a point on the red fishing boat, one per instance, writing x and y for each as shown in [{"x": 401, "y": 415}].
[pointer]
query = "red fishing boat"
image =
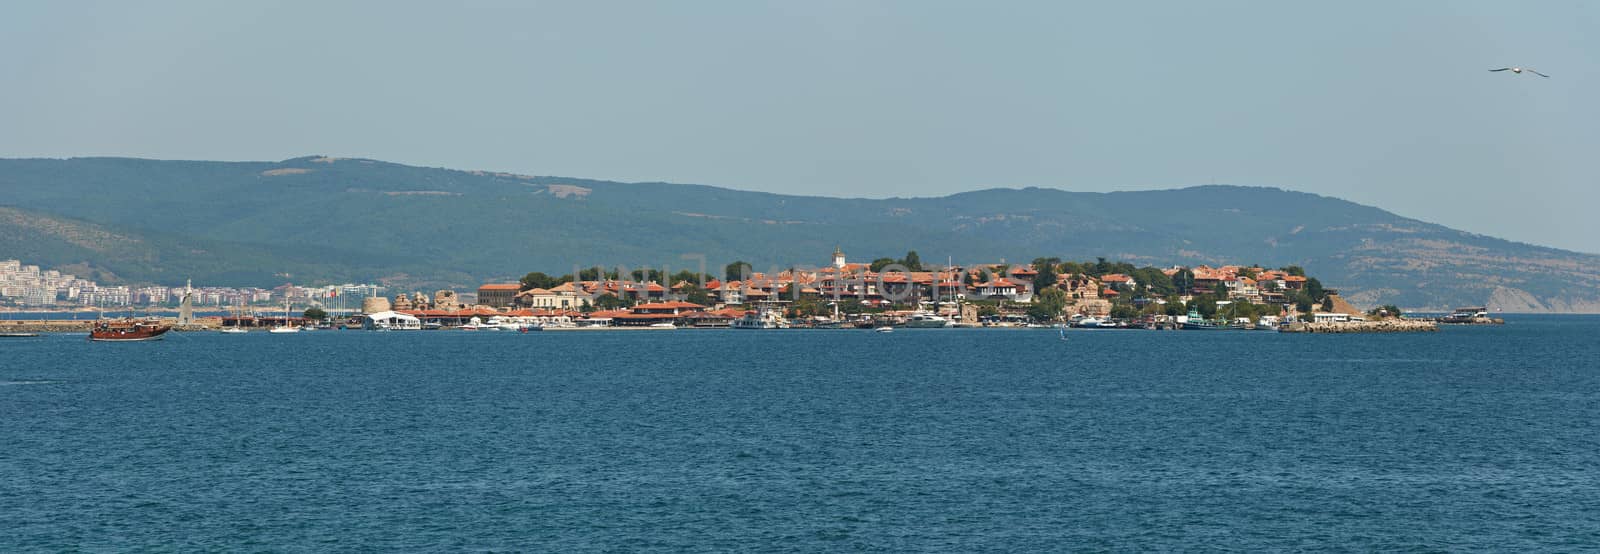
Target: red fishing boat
[{"x": 123, "y": 330}]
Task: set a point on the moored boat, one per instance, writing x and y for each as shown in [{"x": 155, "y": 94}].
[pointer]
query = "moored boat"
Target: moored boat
[
  {"x": 926, "y": 320},
  {"x": 1194, "y": 322},
  {"x": 764, "y": 316}
]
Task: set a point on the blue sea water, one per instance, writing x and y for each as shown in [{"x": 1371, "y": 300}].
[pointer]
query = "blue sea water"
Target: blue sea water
[{"x": 1472, "y": 438}]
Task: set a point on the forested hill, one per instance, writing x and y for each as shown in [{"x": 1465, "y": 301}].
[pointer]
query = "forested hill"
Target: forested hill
[{"x": 324, "y": 219}]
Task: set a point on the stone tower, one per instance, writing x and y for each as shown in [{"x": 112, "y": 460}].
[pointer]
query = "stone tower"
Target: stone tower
[
  {"x": 838, "y": 258},
  {"x": 186, "y": 305}
]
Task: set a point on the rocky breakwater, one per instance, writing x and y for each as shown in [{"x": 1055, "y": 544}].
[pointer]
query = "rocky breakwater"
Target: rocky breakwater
[
  {"x": 1472, "y": 321},
  {"x": 1378, "y": 326},
  {"x": 45, "y": 326}
]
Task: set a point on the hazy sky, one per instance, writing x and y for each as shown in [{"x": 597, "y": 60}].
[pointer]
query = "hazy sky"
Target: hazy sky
[{"x": 1383, "y": 103}]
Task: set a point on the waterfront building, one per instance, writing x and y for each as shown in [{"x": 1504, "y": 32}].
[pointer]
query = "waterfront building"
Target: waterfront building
[{"x": 498, "y": 295}]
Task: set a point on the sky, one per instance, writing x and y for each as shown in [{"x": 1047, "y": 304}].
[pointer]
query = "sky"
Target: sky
[{"x": 1383, "y": 103}]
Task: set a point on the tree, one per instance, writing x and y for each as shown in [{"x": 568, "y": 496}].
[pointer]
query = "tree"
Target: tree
[
  {"x": 1295, "y": 270},
  {"x": 1327, "y": 304},
  {"x": 693, "y": 294},
  {"x": 737, "y": 271},
  {"x": 610, "y": 301},
  {"x": 1154, "y": 281},
  {"x": 1302, "y": 303},
  {"x": 1047, "y": 273},
  {"x": 314, "y": 314},
  {"x": 912, "y": 261},
  {"x": 1047, "y": 304},
  {"x": 686, "y": 276},
  {"x": 1314, "y": 289},
  {"x": 1183, "y": 280},
  {"x": 595, "y": 274},
  {"x": 538, "y": 280},
  {"x": 646, "y": 274},
  {"x": 806, "y": 308},
  {"x": 1124, "y": 311},
  {"x": 880, "y": 263}
]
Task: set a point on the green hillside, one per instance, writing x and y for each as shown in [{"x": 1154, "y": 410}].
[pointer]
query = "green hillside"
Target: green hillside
[{"x": 320, "y": 219}]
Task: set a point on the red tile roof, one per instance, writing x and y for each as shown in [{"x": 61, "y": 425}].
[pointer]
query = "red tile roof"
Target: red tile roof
[{"x": 675, "y": 304}]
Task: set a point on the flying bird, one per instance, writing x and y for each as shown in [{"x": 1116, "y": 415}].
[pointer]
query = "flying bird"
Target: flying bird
[{"x": 1519, "y": 70}]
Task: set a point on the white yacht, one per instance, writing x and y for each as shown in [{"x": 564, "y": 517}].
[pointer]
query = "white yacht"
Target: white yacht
[
  {"x": 926, "y": 320},
  {"x": 500, "y": 323},
  {"x": 286, "y": 327},
  {"x": 761, "y": 318}
]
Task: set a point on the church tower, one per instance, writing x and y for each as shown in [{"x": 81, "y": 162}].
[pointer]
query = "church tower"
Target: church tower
[{"x": 838, "y": 258}]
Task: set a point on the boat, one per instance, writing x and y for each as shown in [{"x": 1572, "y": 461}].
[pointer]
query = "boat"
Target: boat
[
  {"x": 10, "y": 335},
  {"x": 286, "y": 327},
  {"x": 926, "y": 320},
  {"x": 238, "y": 317},
  {"x": 883, "y": 329},
  {"x": 1088, "y": 322},
  {"x": 1196, "y": 323},
  {"x": 128, "y": 330},
  {"x": 763, "y": 317},
  {"x": 663, "y": 326},
  {"x": 498, "y": 323},
  {"x": 1466, "y": 315}
]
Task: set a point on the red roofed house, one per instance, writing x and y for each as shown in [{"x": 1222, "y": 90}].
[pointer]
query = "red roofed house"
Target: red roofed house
[
  {"x": 1116, "y": 279},
  {"x": 562, "y": 296},
  {"x": 1005, "y": 289}
]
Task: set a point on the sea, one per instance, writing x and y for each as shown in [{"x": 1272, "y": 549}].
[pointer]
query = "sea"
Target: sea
[{"x": 1480, "y": 438}]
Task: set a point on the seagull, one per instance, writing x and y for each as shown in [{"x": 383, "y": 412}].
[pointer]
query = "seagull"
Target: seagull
[{"x": 1519, "y": 70}]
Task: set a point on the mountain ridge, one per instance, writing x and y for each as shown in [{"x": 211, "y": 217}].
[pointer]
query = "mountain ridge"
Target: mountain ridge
[{"x": 323, "y": 218}]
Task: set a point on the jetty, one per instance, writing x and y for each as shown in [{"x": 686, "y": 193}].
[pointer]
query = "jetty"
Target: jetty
[{"x": 45, "y": 325}]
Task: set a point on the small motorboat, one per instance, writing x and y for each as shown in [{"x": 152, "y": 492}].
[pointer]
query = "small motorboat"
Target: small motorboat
[{"x": 884, "y": 329}]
